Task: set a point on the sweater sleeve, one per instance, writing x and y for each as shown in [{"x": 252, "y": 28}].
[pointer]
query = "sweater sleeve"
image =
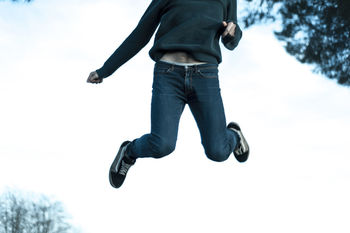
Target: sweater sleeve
[
  {"x": 139, "y": 37},
  {"x": 229, "y": 41}
]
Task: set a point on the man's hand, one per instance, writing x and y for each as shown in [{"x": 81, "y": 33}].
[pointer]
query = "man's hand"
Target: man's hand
[
  {"x": 229, "y": 28},
  {"x": 93, "y": 78}
]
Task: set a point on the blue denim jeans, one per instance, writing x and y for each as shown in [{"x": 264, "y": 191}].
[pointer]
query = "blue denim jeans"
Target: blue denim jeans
[{"x": 174, "y": 86}]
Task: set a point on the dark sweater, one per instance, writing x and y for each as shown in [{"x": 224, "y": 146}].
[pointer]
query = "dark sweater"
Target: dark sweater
[{"x": 192, "y": 26}]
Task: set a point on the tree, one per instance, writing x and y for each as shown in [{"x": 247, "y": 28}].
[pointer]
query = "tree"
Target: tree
[
  {"x": 315, "y": 32},
  {"x": 37, "y": 214}
]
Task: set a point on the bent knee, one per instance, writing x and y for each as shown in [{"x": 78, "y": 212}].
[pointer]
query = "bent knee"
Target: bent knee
[
  {"x": 216, "y": 155},
  {"x": 163, "y": 148}
]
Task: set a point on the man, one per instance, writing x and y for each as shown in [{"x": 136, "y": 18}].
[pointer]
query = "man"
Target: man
[{"x": 187, "y": 53}]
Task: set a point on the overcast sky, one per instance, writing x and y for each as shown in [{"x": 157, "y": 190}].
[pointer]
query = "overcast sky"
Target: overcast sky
[{"x": 58, "y": 134}]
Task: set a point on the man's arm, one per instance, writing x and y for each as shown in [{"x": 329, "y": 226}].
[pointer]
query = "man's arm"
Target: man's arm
[{"x": 135, "y": 41}]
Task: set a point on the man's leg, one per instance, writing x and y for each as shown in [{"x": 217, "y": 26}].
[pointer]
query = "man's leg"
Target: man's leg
[
  {"x": 207, "y": 108},
  {"x": 166, "y": 109}
]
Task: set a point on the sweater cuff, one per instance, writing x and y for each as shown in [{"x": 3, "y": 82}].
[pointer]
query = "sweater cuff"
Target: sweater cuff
[
  {"x": 231, "y": 42},
  {"x": 101, "y": 73}
]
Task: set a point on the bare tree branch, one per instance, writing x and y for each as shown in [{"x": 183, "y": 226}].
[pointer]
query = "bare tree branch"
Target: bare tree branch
[{"x": 39, "y": 214}]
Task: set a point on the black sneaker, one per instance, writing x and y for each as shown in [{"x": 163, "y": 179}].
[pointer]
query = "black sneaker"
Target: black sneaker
[
  {"x": 120, "y": 166},
  {"x": 241, "y": 152}
]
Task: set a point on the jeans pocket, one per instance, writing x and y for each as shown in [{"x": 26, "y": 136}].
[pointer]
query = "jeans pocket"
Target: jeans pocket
[
  {"x": 162, "y": 70},
  {"x": 208, "y": 73}
]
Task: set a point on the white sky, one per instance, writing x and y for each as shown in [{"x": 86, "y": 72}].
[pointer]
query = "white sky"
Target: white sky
[{"x": 58, "y": 134}]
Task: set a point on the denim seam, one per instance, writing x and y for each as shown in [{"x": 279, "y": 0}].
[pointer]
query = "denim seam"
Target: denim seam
[{"x": 205, "y": 76}]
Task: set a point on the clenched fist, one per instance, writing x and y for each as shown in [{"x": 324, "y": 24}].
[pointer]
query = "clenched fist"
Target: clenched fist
[{"x": 93, "y": 78}]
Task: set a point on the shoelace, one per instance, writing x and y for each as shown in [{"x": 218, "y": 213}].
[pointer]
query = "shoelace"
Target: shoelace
[
  {"x": 240, "y": 150},
  {"x": 124, "y": 167},
  {"x": 243, "y": 147}
]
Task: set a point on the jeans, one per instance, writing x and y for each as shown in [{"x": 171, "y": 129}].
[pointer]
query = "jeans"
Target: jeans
[{"x": 174, "y": 86}]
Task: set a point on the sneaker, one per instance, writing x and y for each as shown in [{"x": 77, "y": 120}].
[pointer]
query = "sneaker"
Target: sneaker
[
  {"x": 120, "y": 166},
  {"x": 241, "y": 152}
]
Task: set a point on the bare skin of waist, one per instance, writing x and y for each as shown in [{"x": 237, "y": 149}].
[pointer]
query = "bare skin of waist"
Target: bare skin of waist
[{"x": 179, "y": 57}]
